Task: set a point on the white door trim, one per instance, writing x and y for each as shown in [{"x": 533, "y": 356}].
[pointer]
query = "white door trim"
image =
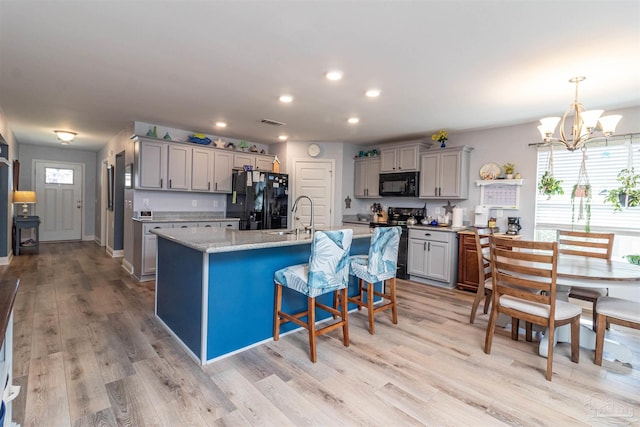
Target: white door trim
[
  {"x": 332, "y": 185},
  {"x": 103, "y": 202}
]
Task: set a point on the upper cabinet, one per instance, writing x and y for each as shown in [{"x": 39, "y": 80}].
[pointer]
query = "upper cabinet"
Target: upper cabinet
[
  {"x": 151, "y": 158},
  {"x": 164, "y": 165},
  {"x": 401, "y": 158},
  {"x": 261, "y": 162},
  {"x": 366, "y": 182},
  {"x": 444, "y": 174}
]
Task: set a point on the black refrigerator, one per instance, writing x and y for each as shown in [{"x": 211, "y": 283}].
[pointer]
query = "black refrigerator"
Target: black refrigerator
[{"x": 259, "y": 199}]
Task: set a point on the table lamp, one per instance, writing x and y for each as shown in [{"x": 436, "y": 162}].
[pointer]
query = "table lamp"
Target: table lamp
[{"x": 24, "y": 197}]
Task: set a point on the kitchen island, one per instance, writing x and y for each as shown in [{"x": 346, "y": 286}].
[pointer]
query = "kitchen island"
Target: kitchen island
[{"x": 215, "y": 290}]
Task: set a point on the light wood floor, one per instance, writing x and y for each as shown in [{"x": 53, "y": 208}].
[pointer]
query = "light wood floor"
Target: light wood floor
[{"x": 88, "y": 351}]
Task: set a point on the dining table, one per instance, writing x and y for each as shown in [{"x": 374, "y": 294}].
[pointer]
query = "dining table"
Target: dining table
[{"x": 588, "y": 272}]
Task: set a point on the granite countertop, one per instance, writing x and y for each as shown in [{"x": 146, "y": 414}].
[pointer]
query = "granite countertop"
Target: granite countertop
[
  {"x": 438, "y": 228},
  {"x": 190, "y": 219},
  {"x": 212, "y": 240},
  {"x": 8, "y": 292}
]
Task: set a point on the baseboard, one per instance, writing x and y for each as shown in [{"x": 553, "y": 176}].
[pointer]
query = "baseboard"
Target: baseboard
[
  {"x": 128, "y": 267},
  {"x": 89, "y": 238},
  {"x": 117, "y": 254}
]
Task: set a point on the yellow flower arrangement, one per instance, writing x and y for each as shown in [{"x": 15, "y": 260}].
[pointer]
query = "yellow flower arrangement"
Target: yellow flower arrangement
[{"x": 441, "y": 136}]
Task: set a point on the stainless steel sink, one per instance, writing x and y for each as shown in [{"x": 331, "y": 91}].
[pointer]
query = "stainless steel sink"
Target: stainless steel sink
[{"x": 281, "y": 232}]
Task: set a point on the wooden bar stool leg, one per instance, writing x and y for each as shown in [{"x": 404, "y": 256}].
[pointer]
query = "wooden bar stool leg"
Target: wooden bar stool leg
[
  {"x": 345, "y": 318},
  {"x": 311, "y": 325},
  {"x": 370, "y": 298},
  {"x": 360, "y": 292},
  {"x": 394, "y": 305},
  {"x": 276, "y": 317}
]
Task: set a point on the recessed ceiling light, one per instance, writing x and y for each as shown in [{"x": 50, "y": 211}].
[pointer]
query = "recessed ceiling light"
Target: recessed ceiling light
[
  {"x": 373, "y": 93},
  {"x": 353, "y": 120},
  {"x": 283, "y": 137},
  {"x": 286, "y": 98},
  {"x": 334, "y": 75},
  {"x": 65, "y": 136},
  {"x": 221, "y": 125}
]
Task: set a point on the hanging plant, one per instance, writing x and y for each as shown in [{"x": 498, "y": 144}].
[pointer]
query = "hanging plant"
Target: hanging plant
[
  {"x": 628, "y": 194},
  {"x": 549, "y": 186},
  {"x": 581, "y": 196}
]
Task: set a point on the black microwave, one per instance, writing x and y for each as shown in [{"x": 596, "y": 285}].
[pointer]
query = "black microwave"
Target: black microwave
[{"x": 399, "y": 184}]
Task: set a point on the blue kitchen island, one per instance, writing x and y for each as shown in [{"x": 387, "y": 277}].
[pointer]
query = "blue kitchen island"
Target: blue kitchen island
[{"x": 215, "y": 290}]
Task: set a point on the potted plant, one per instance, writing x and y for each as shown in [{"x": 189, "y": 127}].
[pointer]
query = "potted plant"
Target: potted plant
[
  {"x": 549, "y": 185},
  {"x": 581, "y": 192},
  {"x": 628, "y": 193},
  {"x": 509, "y": 168}
]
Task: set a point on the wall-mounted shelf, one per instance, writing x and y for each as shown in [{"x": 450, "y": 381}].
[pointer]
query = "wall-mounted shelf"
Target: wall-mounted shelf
[{"x": 500, "y": 193}]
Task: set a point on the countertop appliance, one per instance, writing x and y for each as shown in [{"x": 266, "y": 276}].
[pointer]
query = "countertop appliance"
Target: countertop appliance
[
  {"x": 399, "y": 184},
  {"x": 399, "y": 216},
  {"x": 259, "y": 199},
  {"x": 513, "y": 225}
]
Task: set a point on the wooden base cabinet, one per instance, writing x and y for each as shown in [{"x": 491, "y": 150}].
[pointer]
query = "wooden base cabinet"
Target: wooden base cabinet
[{"x": 468, "y": 278}]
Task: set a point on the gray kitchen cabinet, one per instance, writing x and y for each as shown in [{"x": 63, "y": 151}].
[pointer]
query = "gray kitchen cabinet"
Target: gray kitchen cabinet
[
  {"x": 211, "y": 171},
  {"x": 151, "y": 158},
  {"x": 366, "y": 182},
  {"x": 145, "y": 246},
  {"x": 432, "y": 256},
  {"x": 261, "y": 162},
  {"x": 444, "y": 174},
  {"x": 179, "y": 167},
  {"x": 400, "y": 158}
]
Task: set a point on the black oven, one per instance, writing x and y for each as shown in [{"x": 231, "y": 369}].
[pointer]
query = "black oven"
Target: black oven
[{"x": 399, "y": 184}]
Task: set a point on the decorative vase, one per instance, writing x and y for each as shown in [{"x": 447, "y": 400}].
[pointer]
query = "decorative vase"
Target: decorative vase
[
  {"x": 509, "y": 176},
  {"x": 442, "y": 143}
]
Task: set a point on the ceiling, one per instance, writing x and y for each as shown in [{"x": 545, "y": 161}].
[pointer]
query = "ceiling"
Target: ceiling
[{"x": 93, "y": 67}]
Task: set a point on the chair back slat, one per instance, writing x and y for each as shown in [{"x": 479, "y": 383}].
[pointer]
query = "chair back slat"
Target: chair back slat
[
  {"x": 482, "y": 236},
  {"x": 594, "y": 245}
]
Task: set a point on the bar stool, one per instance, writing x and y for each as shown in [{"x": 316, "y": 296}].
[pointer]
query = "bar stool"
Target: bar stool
[
  {"x": 379, "y": 266},
  {"x": 327, "y": 271}
]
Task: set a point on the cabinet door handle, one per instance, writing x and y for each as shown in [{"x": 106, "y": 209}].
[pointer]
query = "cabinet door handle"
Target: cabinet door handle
[
  {"x": 435, "y": 191},
  {"x": 160, "y": 182},
  {"x": 169, "y": 183},
  {"x": 208, "y": 186},
  {"x": 216, "y": 186},
  {"x": 429, "y": 247},
  {"x": 424, "y": 246},
  {"x": 439, "y": 191},
  {"x": 427, "y": 234}
]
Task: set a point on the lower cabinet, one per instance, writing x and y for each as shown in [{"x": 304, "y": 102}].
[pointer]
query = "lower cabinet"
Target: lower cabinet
[
  {"x": 146, "y": 243},
  {"x": 433, "y": 256}
]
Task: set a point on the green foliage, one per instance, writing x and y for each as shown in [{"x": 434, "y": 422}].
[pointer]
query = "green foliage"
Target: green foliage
[
  {"x": 628, "y": 193},
  {"x": 509, "y": 168},
  {"x": 581, "y": 192},
  {"x": 549, "y": 186}
]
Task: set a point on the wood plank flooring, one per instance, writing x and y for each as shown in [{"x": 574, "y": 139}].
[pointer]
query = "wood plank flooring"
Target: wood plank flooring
[{"x": 89, "y": 352}]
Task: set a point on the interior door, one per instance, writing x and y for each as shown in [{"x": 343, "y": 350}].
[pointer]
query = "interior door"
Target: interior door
[
  {"x": 59, "y": 200},
  {"x": 314, "y": 179}
]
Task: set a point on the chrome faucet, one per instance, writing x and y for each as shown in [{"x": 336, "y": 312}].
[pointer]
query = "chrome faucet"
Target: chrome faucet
[{"x": 295, "y": 208}]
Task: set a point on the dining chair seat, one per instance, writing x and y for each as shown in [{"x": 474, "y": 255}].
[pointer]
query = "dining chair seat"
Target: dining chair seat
[
  {"x": 380, "y": 265},
  {"x": 617, "y": 311},
  {"x": 564, "y": 310},
  {"x": 327, "y": 271}
]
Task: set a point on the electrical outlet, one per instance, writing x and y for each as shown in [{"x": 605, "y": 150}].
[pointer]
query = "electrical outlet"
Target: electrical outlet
[
  {"x": 145, "y": 203},
  {"x": 194, "y": 203}
]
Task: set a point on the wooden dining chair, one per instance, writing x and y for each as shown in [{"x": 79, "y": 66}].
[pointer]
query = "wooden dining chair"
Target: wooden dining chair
[
  {"x": 484, "y": 271},
  {"x": 594, "y": 245},
  {"x": 524, "y": 287},
  {"x": 618, "y": 311}
]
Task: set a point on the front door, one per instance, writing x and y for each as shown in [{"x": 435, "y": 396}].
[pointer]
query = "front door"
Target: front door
[
  {"x": 314, "y": 178},
  {"x": 59, "y": 200}
]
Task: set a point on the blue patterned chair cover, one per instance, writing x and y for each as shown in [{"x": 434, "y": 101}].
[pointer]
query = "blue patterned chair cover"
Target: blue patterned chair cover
[
  {"x": 382, "y": 261},
  {"x": 328, "y": 267}
]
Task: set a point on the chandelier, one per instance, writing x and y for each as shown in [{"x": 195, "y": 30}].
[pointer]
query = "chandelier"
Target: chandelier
[{"x": 584, "y": 124}]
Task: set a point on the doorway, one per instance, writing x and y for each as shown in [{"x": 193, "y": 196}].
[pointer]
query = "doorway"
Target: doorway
[
  {"x": 118, "y": 204},
  {"x": 316, "y": 180},
  {"x": 59, "y": 194}
]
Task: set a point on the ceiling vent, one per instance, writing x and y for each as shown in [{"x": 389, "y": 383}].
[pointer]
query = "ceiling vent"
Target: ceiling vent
[{"x": 272, "y": 122}]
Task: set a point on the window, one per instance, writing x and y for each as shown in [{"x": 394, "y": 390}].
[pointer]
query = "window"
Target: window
[
  {"x": 603, "y": 163},
  {"x": 58, "y": 176}
]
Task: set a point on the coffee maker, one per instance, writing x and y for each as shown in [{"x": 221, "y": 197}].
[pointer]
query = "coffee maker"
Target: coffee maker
[{"x": 513, "y": 225}]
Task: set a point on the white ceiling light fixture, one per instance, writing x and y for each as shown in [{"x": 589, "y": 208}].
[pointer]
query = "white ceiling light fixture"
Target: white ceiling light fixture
[
  {"x": 334, "y": 75},
  {"x": 283, "y": 137},
  {"x": 65, "y": 136},
  {"x": 584, "y": 124},
  {"x": 286, "y": 98},
  {"x": 353, "y": 120},
  {"x": 221, "y": 125},
  {"x": 373, "y": 93}
]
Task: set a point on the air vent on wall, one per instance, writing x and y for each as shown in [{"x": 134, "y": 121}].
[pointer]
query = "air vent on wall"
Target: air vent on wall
[{"x": 272, "y": 122}]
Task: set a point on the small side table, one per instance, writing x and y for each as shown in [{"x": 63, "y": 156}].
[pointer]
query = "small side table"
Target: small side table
[{"x": 28, "y": 222}]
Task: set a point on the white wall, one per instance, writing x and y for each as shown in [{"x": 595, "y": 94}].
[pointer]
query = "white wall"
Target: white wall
[{"x": 9, "y": 139}]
